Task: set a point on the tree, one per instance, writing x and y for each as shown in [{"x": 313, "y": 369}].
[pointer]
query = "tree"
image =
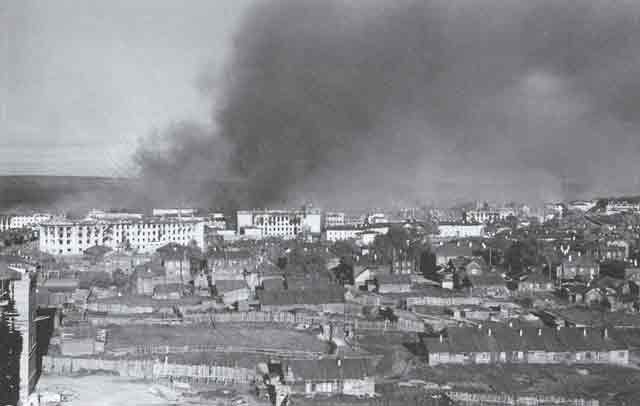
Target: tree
[
  {"x": 520, "y": 255},
  {"x": 344, "y": 273},
  {"x": 382, "y": 249},
  {"x": 399, "y": 238},
  {"x": 345, "y": 250},
  {"x": 281, "y": 262},
  {"x": 120, "y": 279},
  {"x": 614, "y": 269},
  {"x": 428, "y": 267}
]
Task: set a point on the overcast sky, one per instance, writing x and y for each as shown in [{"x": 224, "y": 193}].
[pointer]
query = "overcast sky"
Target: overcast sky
[{"x": 83, "y": 80}]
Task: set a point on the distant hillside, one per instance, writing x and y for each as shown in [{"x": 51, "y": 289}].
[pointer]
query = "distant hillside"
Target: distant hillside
[
  {"x": 64, "y": 192},
  {"x": 77, "y": 194}
]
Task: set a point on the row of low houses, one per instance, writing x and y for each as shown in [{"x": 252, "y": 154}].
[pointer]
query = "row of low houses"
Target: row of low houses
[{"x": 526, "y": 345}]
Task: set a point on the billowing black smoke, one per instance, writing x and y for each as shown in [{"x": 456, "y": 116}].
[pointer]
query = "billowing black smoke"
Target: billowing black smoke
[{"x": 352, "y": 103}]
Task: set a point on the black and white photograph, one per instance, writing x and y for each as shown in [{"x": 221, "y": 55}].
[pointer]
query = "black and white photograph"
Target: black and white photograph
[{"x": 319, "y": 202}]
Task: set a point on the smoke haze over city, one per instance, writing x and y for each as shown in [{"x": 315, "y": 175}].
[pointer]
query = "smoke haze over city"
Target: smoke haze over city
[{"x": 344, "y": 103}]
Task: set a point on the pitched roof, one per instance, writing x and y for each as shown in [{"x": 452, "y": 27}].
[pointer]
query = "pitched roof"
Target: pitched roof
[
  {"x": 175, "y": 251},
  {"x": 394, "y": 279},
  {"x": 97, "y": 250},
  {"x": 149, "y": 270},
  {"x": 230, "y": 254},
  {"x": 451, "y": 250},
  {"x": 495, "y": 339},
  {"x": 583, "y": 260},
  {"x": 228, "y": 285},
  {"x": 536, "y": 278},
  {"x": 487, "y": 279},
  {"x": 302, "y": 296},
  {"x": 276, "y": 283},
  {"x": 477, "y": 261},
  {"x": 61, "y": 285},
  {"x": 168, "y": 288},
  {"x": 330, "y": 369},
  {"x": 608, "y": 282}
]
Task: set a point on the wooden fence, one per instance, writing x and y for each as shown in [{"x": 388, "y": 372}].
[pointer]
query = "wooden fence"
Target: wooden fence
[
  {"x": 181, "y": 349},
  {"x": 148, "y": 369},
  {"x": 416, "y": 326},
  {"x": 291, "y": 318},
  {"x": 519, "y": 400}
]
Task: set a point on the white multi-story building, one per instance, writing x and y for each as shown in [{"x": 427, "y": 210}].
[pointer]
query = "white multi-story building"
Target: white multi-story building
[
  {"x": 286, "y": 224},
  {"x": 460, "y": 230},
  {"x": 18, "y": 281},
  {"x": 622, "y": 206},
  {"x": 16, "y": 221},
  {"x": 72, "y": 237},
  {"x": 356, "y": 232},
  {"x": 375, "y": 218},
  {"x": 332, "y": 219},
  {"x": 5, "y": 222},
  {"x": 114, "y": 215},
  {"x": 217, "y": 221},
  {"x": 488, "y": 216},
  {"x": 174, "y": 212},
  {"x": 581, "y": 205}
]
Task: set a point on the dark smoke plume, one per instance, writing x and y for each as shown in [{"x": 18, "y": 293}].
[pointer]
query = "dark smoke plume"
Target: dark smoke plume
[{"x": 354, "y": 103}]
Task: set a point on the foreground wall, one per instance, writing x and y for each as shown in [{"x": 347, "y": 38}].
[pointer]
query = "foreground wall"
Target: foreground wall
[{"x": 148, "y": 369}]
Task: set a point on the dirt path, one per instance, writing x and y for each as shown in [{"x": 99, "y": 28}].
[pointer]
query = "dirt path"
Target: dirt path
[{"x": 95, "y": 390}]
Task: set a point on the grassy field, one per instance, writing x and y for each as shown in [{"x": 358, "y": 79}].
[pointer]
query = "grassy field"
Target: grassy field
[{"x": 223, "y": 336}]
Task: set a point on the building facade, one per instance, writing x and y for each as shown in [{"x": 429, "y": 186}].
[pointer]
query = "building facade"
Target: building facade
[
  {"x": 17, "y": 221},
  {"x": 72, "y": 237},
  {"x": 286, "y": 224},
  {"x": 460, "y": 230},
  {"x": 332, "y": 219},
  {"x": 503, "y": 345},
  {"x": 18, "y": 282},
  {"x": 364, "y": 233}
]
